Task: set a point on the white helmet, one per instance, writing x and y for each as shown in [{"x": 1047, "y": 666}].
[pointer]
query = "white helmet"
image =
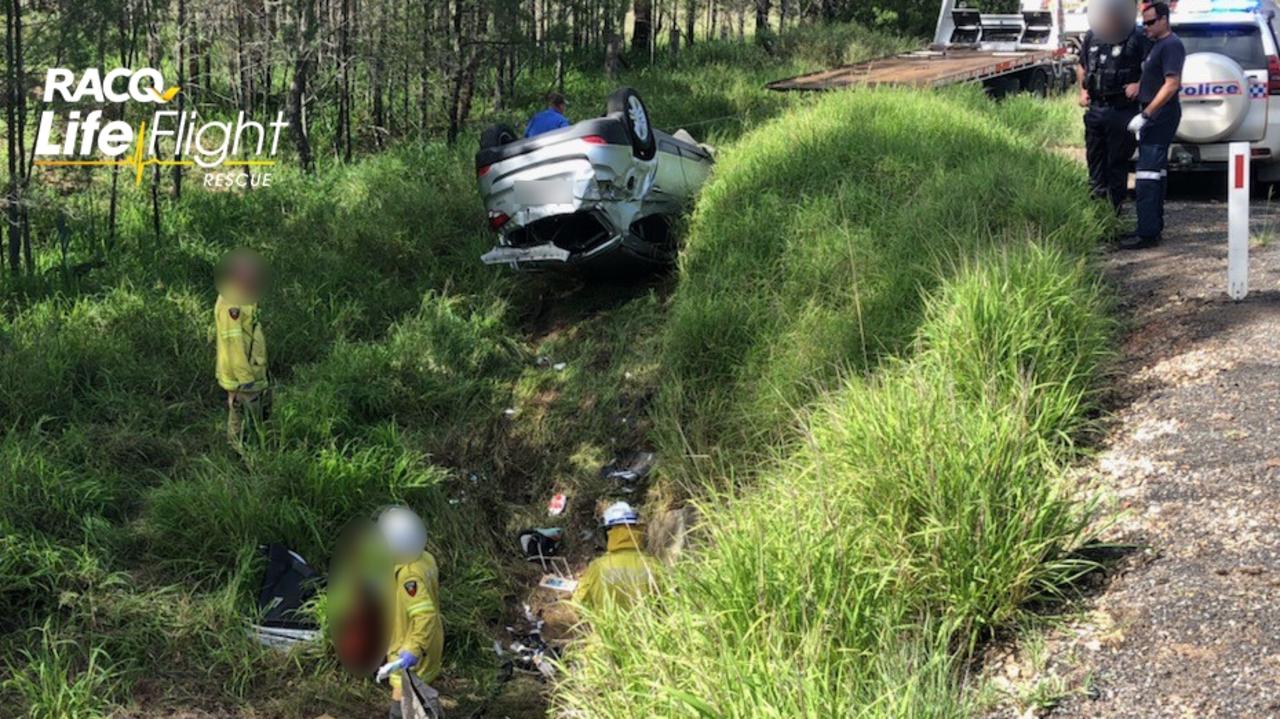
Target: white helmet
[
  {"x": 403, "y": 531},
  {"x": 619, "y": 513}
]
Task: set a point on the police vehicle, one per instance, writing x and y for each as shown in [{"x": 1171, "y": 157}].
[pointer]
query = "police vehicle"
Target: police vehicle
[{"x": 1230, "y": 83}]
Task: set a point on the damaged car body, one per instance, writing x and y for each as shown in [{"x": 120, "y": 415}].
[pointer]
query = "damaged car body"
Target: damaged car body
[{"x": 600, "y": 194}]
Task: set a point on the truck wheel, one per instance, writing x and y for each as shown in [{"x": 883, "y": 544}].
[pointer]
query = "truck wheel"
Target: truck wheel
[
  {"x": 627, "y": 105},
  {"x": 1037, "y": 82},
  {"x": 997, "y": 88},
  {"x": 497, "y": 136}
]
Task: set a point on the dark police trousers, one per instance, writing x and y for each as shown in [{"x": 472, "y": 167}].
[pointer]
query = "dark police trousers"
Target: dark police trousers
[
  {"x": 1108, "y": 147},
  {"x": 1152, "y": 173}
]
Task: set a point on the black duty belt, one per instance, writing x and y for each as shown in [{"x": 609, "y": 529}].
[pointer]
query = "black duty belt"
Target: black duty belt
[{"x": 1117, "y": 101}]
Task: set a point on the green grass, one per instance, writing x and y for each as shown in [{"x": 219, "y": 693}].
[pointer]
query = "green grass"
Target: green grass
[
  {"x": 888, "y": 337},
  {"x": 808, "y": 253},
  {"x": 809, "y": 299}
]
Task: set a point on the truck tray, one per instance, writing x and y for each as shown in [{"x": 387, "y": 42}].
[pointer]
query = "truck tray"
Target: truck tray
[{"x": 925, "y": 68}]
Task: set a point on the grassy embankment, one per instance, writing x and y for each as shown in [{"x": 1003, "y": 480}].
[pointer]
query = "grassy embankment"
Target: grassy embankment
[
  {"x": 884, "y": 348},
  {"x": 127, "y": 527}
]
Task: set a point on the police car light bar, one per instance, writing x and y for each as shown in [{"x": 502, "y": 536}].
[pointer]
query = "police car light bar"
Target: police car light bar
[{"x": 1213, "y": 6}]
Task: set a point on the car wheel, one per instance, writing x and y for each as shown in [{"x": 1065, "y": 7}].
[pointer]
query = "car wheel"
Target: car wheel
[
  {"x": 627, "y": 105},
  {"x": 496, "y": 136}
]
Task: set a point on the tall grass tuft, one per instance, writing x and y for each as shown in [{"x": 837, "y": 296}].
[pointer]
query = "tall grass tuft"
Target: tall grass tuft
[
  {"x": 934, "y": 335},
  {"x": 811, "y": 251}
]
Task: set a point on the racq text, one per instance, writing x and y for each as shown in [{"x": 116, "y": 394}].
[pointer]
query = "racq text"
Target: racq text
[{"x": 238, "y": 178}]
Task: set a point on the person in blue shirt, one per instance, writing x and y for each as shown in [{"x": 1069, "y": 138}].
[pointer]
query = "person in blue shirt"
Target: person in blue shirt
[
  {"x": 1157, "y": 124},
  {"x": 549, "y": 119}
]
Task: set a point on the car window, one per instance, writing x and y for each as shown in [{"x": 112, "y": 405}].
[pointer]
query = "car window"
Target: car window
[{"x": 1242, "y": 43}]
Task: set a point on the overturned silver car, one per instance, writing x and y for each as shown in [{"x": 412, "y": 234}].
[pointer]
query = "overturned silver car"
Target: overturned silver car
[{"x": 602, "y": 193}]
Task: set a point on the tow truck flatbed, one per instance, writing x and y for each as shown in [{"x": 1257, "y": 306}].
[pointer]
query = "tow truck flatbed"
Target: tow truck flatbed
[{"x": 922, "y": 69}]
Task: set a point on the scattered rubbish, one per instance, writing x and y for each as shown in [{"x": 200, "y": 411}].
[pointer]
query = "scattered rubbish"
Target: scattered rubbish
[
  {"x": 560, "y": 584},
  {"x": 287, "y": 584},
  {"x": 629, "y": 468},
  {"x": 421, "y": 701},
  {"x": 540, "y": 543},
  {"x": 528, "y": 652},
  {"x": 542, "y": 361},
  {"x": 556, "y": 506},
  {"x": 627, "y": 375},
  {"x": 510, "y": 411},
  {"x": 559, "y": 366},
  {"x": 283, "y": 639}
]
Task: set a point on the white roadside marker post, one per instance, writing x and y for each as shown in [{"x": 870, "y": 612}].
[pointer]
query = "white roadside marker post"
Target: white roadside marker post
[{"x": 1238, "y": 222}]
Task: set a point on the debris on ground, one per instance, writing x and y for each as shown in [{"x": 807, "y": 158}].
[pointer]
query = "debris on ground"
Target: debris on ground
[
  {"x": 288, "y": 583},
  {"x": 540, "y": 543},
  {"x": 527, "y": 652},
  {"x": 558, "y": 583},
  {"x": 555, "y": 507}
]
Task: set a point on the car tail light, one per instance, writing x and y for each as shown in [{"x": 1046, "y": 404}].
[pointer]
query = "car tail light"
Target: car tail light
[
  {"x": 482, "y": 171},
  {"x": 1273, "y": 75},
  {"x": 594, "y": 140},
  {"x": 1260, "y": 152},
  {"x": 497, "y": 220}
]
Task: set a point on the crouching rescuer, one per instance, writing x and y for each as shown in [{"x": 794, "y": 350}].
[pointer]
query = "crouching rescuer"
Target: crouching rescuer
[
  {"x": 242, "y": 346},
  {"x": 416, "y": 630},
  {"x": 624, "y": 574}
]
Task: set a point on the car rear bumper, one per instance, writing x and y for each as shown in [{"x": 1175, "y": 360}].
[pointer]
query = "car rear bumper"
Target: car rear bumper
[{"x": 1188, "y": 157}]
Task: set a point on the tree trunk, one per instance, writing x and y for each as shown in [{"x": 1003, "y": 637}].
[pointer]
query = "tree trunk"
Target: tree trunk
[
  {"x": 304, "y": 30},
  {"x": 180, "y": 61},
  {"x": 642, "y": 26},
  {"x": 379, "y": 81},
  {"x": 690, "y": 21},
  {"x": 11, "y": 126},
  {"x": 424, "y": 69}
]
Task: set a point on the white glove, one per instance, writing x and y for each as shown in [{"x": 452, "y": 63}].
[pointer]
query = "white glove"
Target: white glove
[
  {"x": 388, "y": 669},
  {"x": 1138, "y": 122}
]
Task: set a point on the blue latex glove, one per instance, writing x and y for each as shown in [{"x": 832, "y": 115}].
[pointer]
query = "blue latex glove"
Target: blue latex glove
[{"x": 407, "y": 659}]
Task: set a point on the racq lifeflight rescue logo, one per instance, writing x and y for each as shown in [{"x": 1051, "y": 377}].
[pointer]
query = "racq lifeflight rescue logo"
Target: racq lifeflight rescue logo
[{"x": 85, "y": 139}]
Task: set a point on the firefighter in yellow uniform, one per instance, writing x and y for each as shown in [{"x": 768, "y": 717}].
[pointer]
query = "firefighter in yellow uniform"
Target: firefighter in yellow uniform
[
  {"x": 624, "y": 574},
  {"x": 417, "y": 631},
  {"x": 242, "y": 346}
]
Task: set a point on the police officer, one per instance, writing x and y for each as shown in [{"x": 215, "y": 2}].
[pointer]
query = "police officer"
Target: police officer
[
  {"x": 1157, "y": 124},
  {"x": 1109, "y": 70}
]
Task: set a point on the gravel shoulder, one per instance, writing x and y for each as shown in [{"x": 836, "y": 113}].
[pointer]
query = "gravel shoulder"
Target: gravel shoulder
[{"x": 1188, "y": 624}]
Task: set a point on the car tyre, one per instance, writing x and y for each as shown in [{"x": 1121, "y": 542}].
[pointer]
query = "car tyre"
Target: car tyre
[
  {"x": 497, "y": 136},
  {"x": 626, "y": 104}
]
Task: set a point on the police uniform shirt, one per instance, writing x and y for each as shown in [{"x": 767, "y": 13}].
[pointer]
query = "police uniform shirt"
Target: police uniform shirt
[{"x": 1109, "y": 67}]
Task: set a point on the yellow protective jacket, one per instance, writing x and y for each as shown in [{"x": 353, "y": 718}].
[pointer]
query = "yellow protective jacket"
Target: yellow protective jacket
[
  {"x": 416, "y": 626},
  {"x": 242, "y": 348},
  {"x": 621, "y": 576}
]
